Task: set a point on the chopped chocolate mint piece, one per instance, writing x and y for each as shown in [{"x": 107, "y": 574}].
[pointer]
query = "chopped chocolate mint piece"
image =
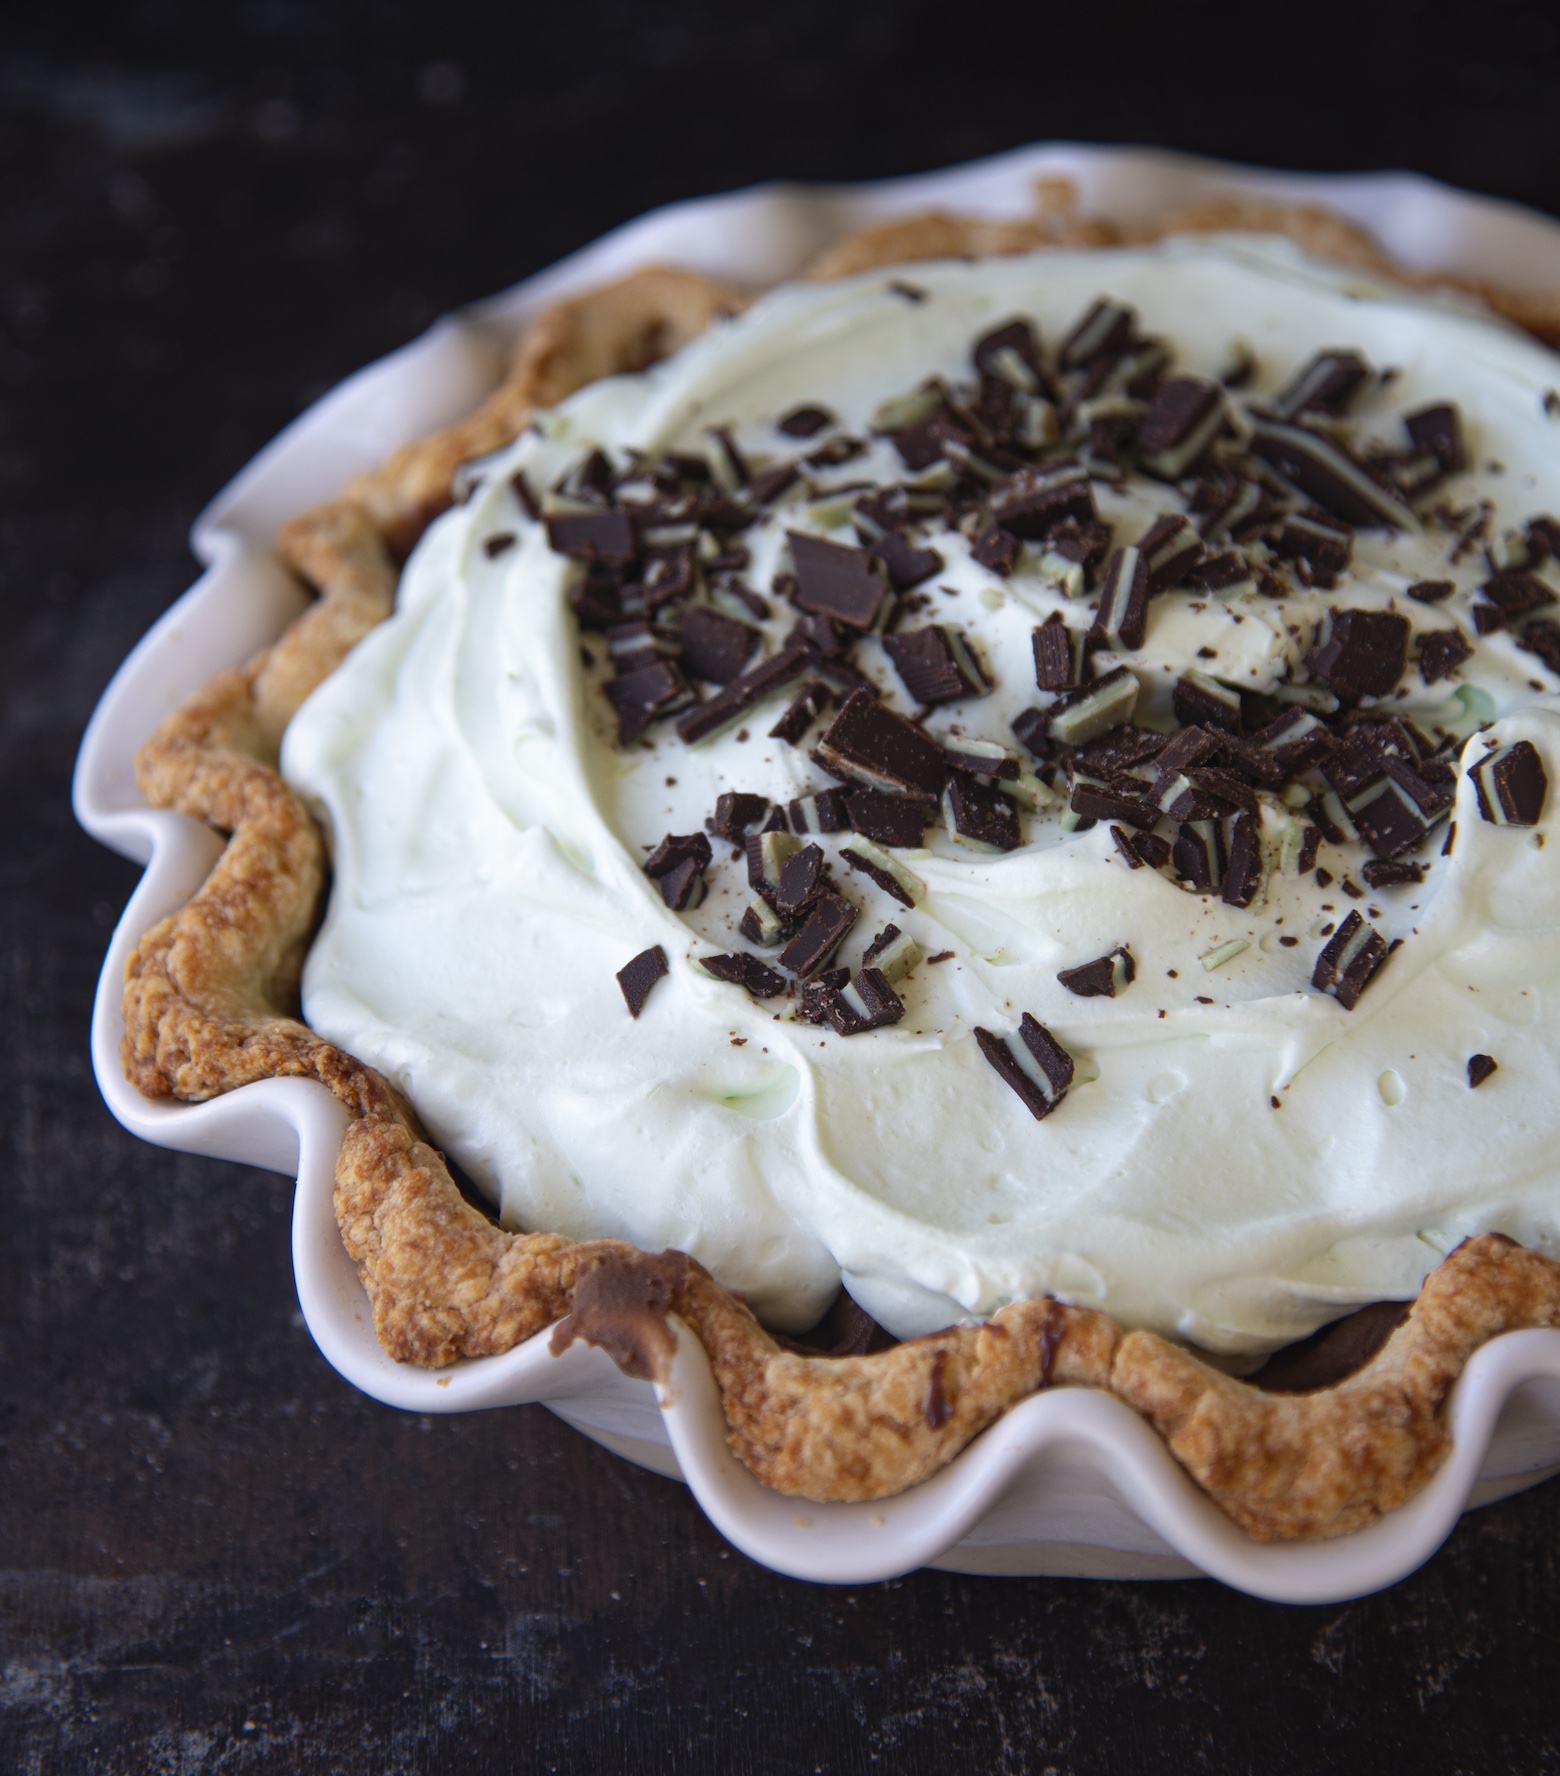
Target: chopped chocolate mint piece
[
  {"x": 1324, "y": 471},
  {"x": 834, "y": 451},
  {"x": 592, "y": 536},
  {"x": 1082, "y": 715},
  {"x": 1353, "y": 954},
  {"x": 888, "y": 819},
  {"x": 1152, "y": 849},
  {"x": 1480, "y": 1067},
  {"x": 1077, "y": 547},
  {"x": 1032, "y": 1062},
  {"x": 740, "y": 969},
  {"x": 881, "y": 750},
  {"x": 1321, "y": 545},
  {"x": 802, "y": 880},
  {"x": 819, "y": 635},
  {"x": 837, "y": 582},
  {"x": 1172, "y": 548},
  {"x": 761, "y": 924},
  {"x": 894, "y": 953},
  {"x": 1122, "y": 617},
  {"x": 1512, "y": 785},
  {"x": 1401, "y": 873},
  {"x": 823, "y": 812},
  {"x": 805, "y": 422},
  {"x": 714, "y": 647},
  {"x": 644, "y": 696},
  {"x": 1439, "y": 431},
  {"x": 1198, "y": 699},
  {"x": 743, "y": 693},
  {"x": 979, "y": 816},
  {"x": 676, "y": 848},
  {"x": 1515, "y": 594},
  {"x": 668, "y": 576},
  {"x": 866, "y": 1003},
  {"x": 935, "y": 664},
  {"x": 1540, "y": 636},
  {"x": 1194, "y": 745},
  {"x": 1011, "y": 353},
  {"x": 828, "y": 921},
  {"x": 905, "y": 564},
  {"x": 1097, "y": 800},
  {"x": 1363, "y": 653},
  {"x": 1198, "y": 854},
  {"x": 529, "y": 503},
  {"x": 1102, "y": 978},
  {"x": 1058, "y": 655},
  {"x": 996, "y": 549},
  {"x": 1431, "y": 591},
  {"x": 495, "y": 545},
  {"x": 793, "y": 725},
  {"x": 1184, "y": 417},
  {"x": 1123, "y": 843},
  {"x": 878, "y": 866},
  {"x": 1243, "y": 868},
  {"x": 637, "y": 977},
  {"x": 1033, "y": 501},
  {"x": 1400, "y": 814},
  {"x": 734, "y": 813},
  {"x": 1105, "y": 331},
  {"x": 981, "y": 758},
  {"x": 767, "y": 854},
  {"x": 1290, "y": 743},
  {"x": 1326, "y": 385},
  {"x": 1442, "y": 651},
  {"x": 682, "y": 886},
  {"x": 765, "y": 488}
]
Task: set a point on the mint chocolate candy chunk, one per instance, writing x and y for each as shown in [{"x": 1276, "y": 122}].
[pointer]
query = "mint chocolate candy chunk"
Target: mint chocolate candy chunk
[
  {"x": 1032, "y": 1062},
  {"x": 1512, "y": 785}
]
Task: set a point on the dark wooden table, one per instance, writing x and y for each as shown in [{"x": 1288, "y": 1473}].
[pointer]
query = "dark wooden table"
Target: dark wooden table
[{"x": 214, "y": 1555}]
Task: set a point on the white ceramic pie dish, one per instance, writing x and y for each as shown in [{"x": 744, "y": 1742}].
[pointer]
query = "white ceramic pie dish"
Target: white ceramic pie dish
[{"x": 1067, "y": 1483}]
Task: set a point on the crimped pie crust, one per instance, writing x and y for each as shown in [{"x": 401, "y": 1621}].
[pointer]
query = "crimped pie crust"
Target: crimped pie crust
[{"x": 211, "y": 998}]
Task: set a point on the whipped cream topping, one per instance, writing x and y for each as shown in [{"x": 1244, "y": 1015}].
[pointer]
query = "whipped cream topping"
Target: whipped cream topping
[{"x": 1239, "y": 1158}]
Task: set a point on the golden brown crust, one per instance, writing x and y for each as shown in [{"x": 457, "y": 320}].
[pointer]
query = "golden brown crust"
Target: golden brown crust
[{"x": 211, "y": 998}]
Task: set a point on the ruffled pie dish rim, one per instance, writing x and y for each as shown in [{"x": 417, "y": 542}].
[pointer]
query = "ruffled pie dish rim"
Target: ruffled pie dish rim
[{"x": 275, "y": 1121}]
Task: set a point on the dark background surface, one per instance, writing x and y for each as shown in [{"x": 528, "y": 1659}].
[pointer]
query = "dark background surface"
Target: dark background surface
[{"x": 214, "y": 1555}]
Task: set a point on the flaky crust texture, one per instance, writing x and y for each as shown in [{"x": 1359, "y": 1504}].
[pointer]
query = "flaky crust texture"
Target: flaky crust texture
[{"x": 211, "y": 1003}]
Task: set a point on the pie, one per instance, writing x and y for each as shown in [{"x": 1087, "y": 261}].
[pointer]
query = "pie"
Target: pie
[{"x": 1194, "y": 693}]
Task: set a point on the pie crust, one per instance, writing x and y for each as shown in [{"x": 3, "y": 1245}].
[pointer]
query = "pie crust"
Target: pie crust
[{"x": 211, "y": 1003}]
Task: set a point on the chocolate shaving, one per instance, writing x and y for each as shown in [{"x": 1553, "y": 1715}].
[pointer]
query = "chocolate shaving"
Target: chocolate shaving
[{"x": 1480, "y": 1067}]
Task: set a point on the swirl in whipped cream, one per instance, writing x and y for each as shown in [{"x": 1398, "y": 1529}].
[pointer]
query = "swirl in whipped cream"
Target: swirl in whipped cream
[{"x": 1240, "y": 1158}]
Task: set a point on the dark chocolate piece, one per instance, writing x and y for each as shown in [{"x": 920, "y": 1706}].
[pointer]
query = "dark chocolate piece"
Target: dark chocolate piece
[
  {"x": 1480, "y": 1067},
  {"x": 678, "y": 864},
  {"x": 638, "y": 976},
  {"x": 1431, "y": 591},
  {"x": 822, "y": 812},
  {"x": 1123, "y": 843},
  {"x": 982, "y": 758},
  {"x": 1542, "y": 637},
  {"x": 1058, "y": 655},
  {"x": 592, "y": 536},
  {"x": 979, "y": 816},
  {"x": 1122, "y": 617},
  {"x": 1321, "y": 547},
  {"x": 1198, "y": 854},
  {"x": 1196, "y": 698},
  {"x": 495, "y": 545},
  {"x": 1102, "y": 978},
  {"x": 735, "y": 699},
  {"x": 868, "y": 1002},
  {"x": 1399, "y": 815},
  {"x": 1243, "y": 871},
  {"x": 740, "y": 969},
  {"x": 1033, "y": 501},
  {"x": 1011, "y": 352},
  {"x": 935, "y": 664},
  {"x": 1353, "y": 954},
  {"x": 888, "y": 819},
  {"x": 1515, "y": 594},
  {"x": 881, "y": 750},
  {"x": 714, "y": 647},
  {"x": 1184, "y": 417},
  {"x": 793, "y": 725},
  {"x": 1363, "y": 653},
  {"x": 1402, "y": 873},
  {"x": 1105, "y": 331},
  {"x": 761, "y": 924},
  {"x": 1331, "y": 1355},
  {"x": 1290, "y": 743},
  {"x": 885, "y": 879},
  {"x": 644, "y": 696},
  {"x": 829, "y": 920},
  {"x": 1076, "y": 717},
  {"x": 734, "y": 813},
  {"x": 805, "y": 422},
  {"x": 996, "y": 549},
  {"x": 1172, "y": 548},
  {"x": 767, "y": 854},
  {"x": 1326, "y": 385},
  {"x": 765, "y": 488},
  {"x": 837, "y": 582},
  {"x": 802, "y": 880},
  {"x": 1442, "y": 651},
  {"x": 1096, "y": 800},
  {"x": 1512, "y": 785},
  {"x": 1154, "y": 850},
  {"x": 1325, "y": 472},
  {"x": 1032, "y": 1062},
  {"x": 1439, "y": 431},
  {"x": 905, "y": 564}
]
